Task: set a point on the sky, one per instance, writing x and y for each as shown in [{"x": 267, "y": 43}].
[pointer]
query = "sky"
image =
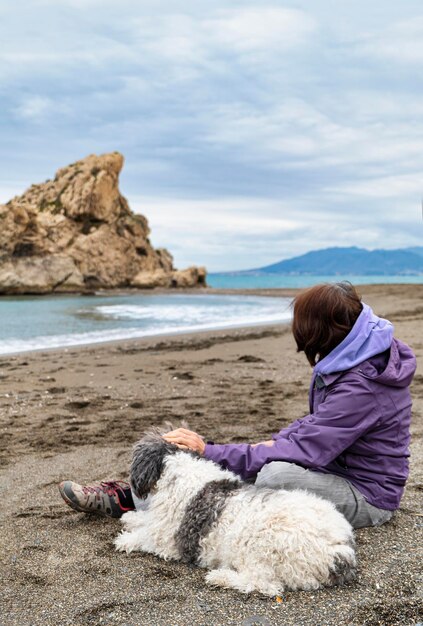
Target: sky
[{"x": 252, "y": 131}]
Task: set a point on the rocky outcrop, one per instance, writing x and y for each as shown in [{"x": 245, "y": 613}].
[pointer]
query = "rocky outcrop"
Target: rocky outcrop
[
  {"x": 77, "y": 232},
  {"x": 178, "y": 278}
]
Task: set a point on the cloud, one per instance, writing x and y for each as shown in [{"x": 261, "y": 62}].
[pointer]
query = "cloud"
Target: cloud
[
  {"x": 40, "y": 108},
  {"x": 400, "y": 42},
  {"x": 401, "y": 186},
  {"x": 34, "y": 107},
  {"x": 265, "y": 28},
  {"x": 186, "y": 43},
  {"x": 241, "y": 233}
]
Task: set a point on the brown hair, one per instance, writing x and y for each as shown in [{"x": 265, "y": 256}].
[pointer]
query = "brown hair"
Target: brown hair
[{"x": 323, "y": 317}]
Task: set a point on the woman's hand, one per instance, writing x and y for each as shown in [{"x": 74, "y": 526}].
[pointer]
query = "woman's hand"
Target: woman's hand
[
  {"x": 186, "y": 440},
  {"x": 269, "y": 443}
]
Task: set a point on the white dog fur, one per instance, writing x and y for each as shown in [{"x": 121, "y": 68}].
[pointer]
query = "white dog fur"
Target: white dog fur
[{"x": 250, "y": 538}]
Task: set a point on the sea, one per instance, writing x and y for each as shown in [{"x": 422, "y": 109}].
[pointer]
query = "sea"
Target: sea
[
  {"x": 60, "y": 321},
  {"x": 272, "y": 281}
]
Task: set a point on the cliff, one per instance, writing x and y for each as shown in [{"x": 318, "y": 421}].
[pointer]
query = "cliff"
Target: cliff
[{"x": 77, "y": 233}]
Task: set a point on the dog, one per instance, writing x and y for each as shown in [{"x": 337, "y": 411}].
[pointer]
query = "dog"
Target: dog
[{"x": 250, "y": 538}]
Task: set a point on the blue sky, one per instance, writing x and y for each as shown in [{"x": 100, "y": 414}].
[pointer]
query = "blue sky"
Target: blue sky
[{"x": 252, "y": 131}]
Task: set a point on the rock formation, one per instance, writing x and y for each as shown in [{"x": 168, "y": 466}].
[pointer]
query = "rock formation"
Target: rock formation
[{"x": 77, "y": 233}]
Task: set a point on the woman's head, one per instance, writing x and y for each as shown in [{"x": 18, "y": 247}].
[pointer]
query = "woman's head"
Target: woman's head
[{"x": 323, "y": 317}]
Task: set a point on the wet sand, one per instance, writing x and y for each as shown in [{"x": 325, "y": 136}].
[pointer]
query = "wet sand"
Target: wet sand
[{"x": 75, "y": 413}]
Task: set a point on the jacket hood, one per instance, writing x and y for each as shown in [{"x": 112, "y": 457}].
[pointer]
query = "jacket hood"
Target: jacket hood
[
  {"x": 369, "y": 336},
  {"x": 399, "y": 370}
]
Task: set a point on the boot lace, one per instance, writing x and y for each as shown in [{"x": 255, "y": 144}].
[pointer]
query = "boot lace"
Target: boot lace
[{"x": 110, "y": 488}]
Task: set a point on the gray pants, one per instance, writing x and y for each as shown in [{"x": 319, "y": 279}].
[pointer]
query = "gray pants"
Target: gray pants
[{"x": 347, "y": 499}]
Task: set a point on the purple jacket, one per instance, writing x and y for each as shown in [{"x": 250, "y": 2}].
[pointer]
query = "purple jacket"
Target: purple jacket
[{"x": 358, "y": 426}]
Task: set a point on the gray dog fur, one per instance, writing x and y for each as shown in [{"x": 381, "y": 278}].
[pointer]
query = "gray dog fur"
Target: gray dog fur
[
  {"x": 203, "y": 510},
  {"x": 147, "y": 462}
]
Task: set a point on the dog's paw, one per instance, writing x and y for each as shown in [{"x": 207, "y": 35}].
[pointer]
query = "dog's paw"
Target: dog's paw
[
  {"x": 245, "y": 581},
  {"x": 125, "y": 542},
  {"x": 131, "y": 520},
  {"x": 343, "y": 568}
]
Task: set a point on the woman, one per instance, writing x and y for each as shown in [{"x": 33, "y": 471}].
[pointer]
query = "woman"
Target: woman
[{"x": 352, "y": 448}]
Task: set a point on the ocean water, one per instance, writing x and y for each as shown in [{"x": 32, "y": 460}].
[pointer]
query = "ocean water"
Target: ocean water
[
  {"x": 269, "y": 281},
  {"x": 34, "y": 323}
]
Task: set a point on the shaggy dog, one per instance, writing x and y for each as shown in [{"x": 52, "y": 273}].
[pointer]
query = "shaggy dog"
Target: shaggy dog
[{"x": 250, "y": 538}]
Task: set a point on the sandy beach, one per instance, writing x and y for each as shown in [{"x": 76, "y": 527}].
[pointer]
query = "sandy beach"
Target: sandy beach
[{"x": 75, "y": 414}]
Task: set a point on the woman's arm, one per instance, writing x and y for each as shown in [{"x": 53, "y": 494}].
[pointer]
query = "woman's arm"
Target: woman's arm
[
  {"x": 288, "y": 430},
  {"x": 348, "y": 411},
  {"x": 190, "y": 440}
]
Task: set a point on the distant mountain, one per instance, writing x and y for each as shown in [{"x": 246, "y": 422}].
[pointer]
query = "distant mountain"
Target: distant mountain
[
  {"x": 355, "y": 261},
  {"x": 417, "y": 250}
]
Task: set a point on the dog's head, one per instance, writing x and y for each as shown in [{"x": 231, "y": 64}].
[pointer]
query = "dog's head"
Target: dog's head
[{"x": 148, "y": 460}]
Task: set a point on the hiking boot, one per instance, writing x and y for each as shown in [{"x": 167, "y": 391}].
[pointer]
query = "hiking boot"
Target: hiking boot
[{"x": 111, "y": 499}]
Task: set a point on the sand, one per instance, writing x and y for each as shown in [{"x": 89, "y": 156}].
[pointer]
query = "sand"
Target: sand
[{"x": 75, "y": 413}]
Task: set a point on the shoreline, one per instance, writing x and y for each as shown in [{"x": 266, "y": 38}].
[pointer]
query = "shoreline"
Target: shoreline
[
  {"x": 166, "y": 340},
  {"x": 224, "y": 318},
  {"x": 253, "y": 291},
  {"x": 375, "y": 293}
]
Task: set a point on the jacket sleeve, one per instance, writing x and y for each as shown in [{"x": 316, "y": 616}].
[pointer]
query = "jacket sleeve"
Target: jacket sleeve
[
  {"x": 289, "y": 429},
  {"x": 348, "y": 411}
]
